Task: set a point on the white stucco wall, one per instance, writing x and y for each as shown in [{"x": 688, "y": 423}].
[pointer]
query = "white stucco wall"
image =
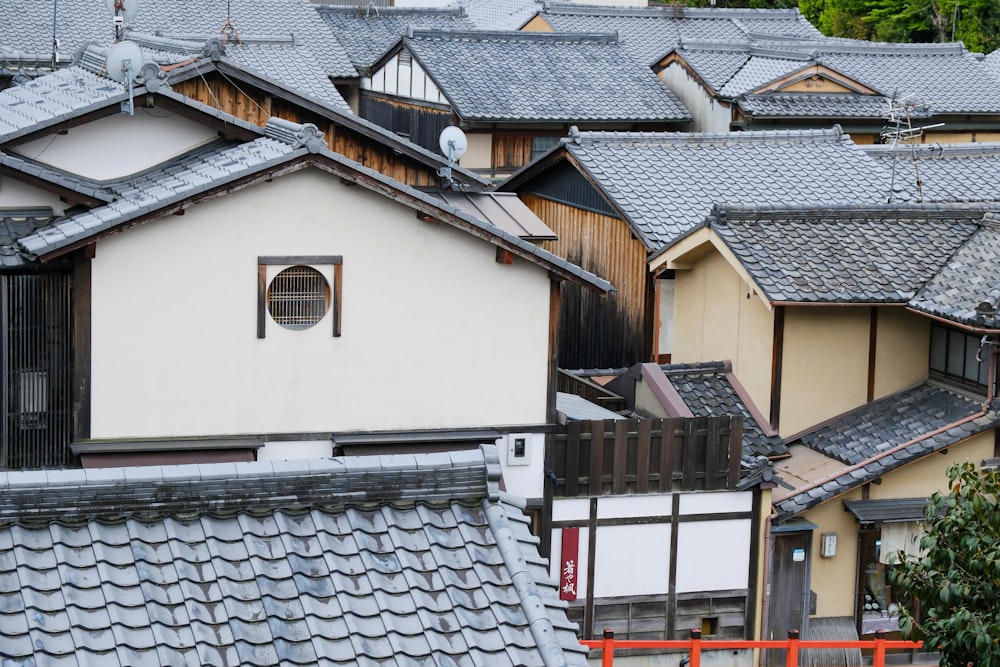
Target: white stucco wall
[
  {"x": 436, "y": 333},
  {"x": 106, "y": 148},
  {"x": 15, "y": 194},
  {"x": 709, "y": 115}
]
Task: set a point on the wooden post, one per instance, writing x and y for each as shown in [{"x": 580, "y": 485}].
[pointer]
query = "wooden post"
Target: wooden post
[
  {"x": 608, "y": 649},
  {"x": 792, "y": 659}
]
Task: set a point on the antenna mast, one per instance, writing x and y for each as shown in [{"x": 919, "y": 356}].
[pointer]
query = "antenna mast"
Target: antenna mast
[{"x": 900, "y": 129}]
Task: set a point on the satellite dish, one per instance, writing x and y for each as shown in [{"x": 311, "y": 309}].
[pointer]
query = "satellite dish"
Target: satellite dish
[
  {"x": 453, "y": 143},
  {"x": 124, "y": 61},
  {"x": 126, "y": 9}
]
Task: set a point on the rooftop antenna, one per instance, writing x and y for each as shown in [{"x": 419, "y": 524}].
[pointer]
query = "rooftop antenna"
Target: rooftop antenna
[
  {"x": 370, "y": 8},
  {"x": 899, "y": 130},
  {"x": 122, "y": 14},
  {"x": 122, "y": 65},
  {"x": 453, "y": 144},
  {"x": 229, "y": 30}
]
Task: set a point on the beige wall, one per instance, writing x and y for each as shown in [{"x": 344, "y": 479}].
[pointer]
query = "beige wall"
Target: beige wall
[
  {"x": 824, "y": 366},
  {"x": 479, "y": 154},
  {"x": 174, "y": 343},
  {"x": 901, "y": 350},
  {"x": 714, "y": 320},
  {"x": 834, "y": 579},
  {"x": 818, "y": 85},
  {"x": 537, "y": 24}
]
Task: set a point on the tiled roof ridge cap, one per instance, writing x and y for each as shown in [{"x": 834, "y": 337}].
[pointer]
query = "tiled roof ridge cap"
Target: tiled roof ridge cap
[
  {"x": 296, "y": 135},
  {"x": 753, "y": 136},
  {"x": 734, "y": 45},
  {"x": 531, "y": 601},
  {"x": 722, "y": 211},
  {"x": 513, "y": 36},
  {"x": 892, "y": 48},
  {"x": 812, "y": 96},
  {"x": 671, "y": 11},
  {"x": 158, "y": 41},
  {"x": 259, "y": 485},
  {"x": 287, "y": 39},
  {"x": 697, "y": 367},
  {"x": 447, "y": 10},
  {"x": 936, "y": 149}
]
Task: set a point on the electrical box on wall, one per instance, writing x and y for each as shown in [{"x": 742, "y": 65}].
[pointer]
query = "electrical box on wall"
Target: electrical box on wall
[
  {"x": 828, "y": 545},
  {"x": 518, "y": 453}
]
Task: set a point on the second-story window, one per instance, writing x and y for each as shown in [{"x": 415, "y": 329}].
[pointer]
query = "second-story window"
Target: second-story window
[{"x": 955, "y": 356}]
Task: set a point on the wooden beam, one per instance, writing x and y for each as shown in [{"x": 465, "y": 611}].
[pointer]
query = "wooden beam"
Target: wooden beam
[{"x": 504, "y": 256}]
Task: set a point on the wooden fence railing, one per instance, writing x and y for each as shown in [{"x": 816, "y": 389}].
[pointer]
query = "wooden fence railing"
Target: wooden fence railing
[
  {"x": 791, "y": 646},
  {"x": 636, "y": 456}
]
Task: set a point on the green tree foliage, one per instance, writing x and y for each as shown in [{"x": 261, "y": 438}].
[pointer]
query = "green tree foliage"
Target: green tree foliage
[
  {"x": 956, "y": 582},
  {"x": 977, "y": 24}
]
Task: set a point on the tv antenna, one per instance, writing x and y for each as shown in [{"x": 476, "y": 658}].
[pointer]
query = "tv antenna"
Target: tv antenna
[
  {"x": 122, "y": 14},
  {"x": 122, "y": 65},
  {"x": 453, "y": 144},
  {"x": 900, "y": 129}
]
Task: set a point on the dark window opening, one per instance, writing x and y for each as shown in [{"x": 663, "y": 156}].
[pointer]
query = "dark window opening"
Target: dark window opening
[{"x": 959, "y": 357}]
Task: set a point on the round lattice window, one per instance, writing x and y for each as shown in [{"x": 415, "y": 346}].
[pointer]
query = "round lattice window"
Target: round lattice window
[{"x": 298, "y": 297}]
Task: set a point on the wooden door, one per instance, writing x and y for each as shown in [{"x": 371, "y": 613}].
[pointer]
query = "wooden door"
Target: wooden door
[{"x": 788, "y": 608}]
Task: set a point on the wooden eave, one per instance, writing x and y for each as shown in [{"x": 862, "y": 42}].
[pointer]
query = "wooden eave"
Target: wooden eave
[
  {"x": 71, "y": 196},
  {"x": 348, "y": 123},
  {"x": 225, "y": 129},
  {"x": 300, "y": 161},
  {"x": 674, "y": 57},
  {"x": 685, "y": 253},
  {"x": 815, "y": 70}
]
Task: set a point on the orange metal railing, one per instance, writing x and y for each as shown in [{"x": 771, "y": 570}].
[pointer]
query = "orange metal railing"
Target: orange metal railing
[{"x": 696, "y": 645}]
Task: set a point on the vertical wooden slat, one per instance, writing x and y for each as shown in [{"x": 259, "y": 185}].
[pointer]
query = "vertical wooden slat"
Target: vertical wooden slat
[
  {"x": 573, "y": 445},
  {"x": 713, "y": 457},
  {"x": 668, "y": 448},
  {"x": 5, "y": 394},
  {"x": 596, "y": 457},
  {"x": 645, "y": 427},
  {"x": 261, "y": 299},
  {"x": 338, "y": 282},
  {"x": 735, "y": 451},
  {"x": 689, "y": 452},
  {"x": 619, "y": 459}
]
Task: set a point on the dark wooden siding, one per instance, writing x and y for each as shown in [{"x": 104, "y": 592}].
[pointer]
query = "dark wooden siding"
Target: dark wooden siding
[
  {"x": 36, "y": 344},
  {"x": 637, "y": 456},
  {"x": 256, "y": 106},
  {"x": 420, "y": 124},
  {"x": 596, "y": 330}
]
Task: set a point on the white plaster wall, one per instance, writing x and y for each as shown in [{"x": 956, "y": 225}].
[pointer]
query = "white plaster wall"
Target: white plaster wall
[
  {"x": 290, "y": 450},
  {"x": 709, "y": 115},
  {"x": 15, "y": 194},
  {"x": 631, "y": 560},
  {"x": 665, "y": 341},
  {"x": 107, "y": 148},
  {"x": 713, "y": 555},
  {"x": 524, "y": 480},
  {"x": 616, "y": 507},
  {"x": 716, "y": 502},
  {"x": 570, "y": 509},
  {"x": 436, "y": 333},
  {"x": 404, "y": 79}
]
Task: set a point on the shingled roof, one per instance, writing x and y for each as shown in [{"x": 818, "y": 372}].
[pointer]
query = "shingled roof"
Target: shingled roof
[
  {"x": 946, "y": 78},
  {"x": 210, "y": 170},
  {"x": 390, "y": 560},
  {"x": 367, "y": 33},
  {"x": 251, "y": 27},
  {"x": 500, "y": 14},
  {"x": 536, "y": 77},
  {"x": 878, "y": 438},
  {"x": 963, "y": 172},
  {"x": 870, "y": 254},
  {"x": 763, "y": 167},
  {"x": 650, "y": 33}
]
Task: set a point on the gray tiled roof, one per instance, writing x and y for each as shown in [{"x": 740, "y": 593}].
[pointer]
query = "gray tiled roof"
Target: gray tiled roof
[
  {"x": 500, "y": 14},
  {"x": 368, "y": 34},
  {"x": 968, "y": 279},
  {"x": 816, "y": 105},
  {"x": 29, "y": 29},
  {"x": 945, "y": 77},
  {"x": 992, "y": 64},
  {"x": 866, "y": 439},
  {"x": 391, "y": 560},
  {"x": 707, "y": 389},
  {"x": 966, "y": 172},
  {"x": 872, "y": 254},
  {"x": 762, "y": 167},
  {"x": 215, "y": 166},
  {"x": 651, "y": 33},
  {"x": 544, "y": 77},
  {"x": 16, "y": 223}
]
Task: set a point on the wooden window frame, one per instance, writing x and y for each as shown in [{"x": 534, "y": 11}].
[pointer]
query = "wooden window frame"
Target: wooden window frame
[{"x": 314, "y": 261}]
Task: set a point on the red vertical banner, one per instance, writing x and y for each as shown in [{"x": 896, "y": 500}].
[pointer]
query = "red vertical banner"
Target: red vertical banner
[{"x": 568, "y": 575}]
